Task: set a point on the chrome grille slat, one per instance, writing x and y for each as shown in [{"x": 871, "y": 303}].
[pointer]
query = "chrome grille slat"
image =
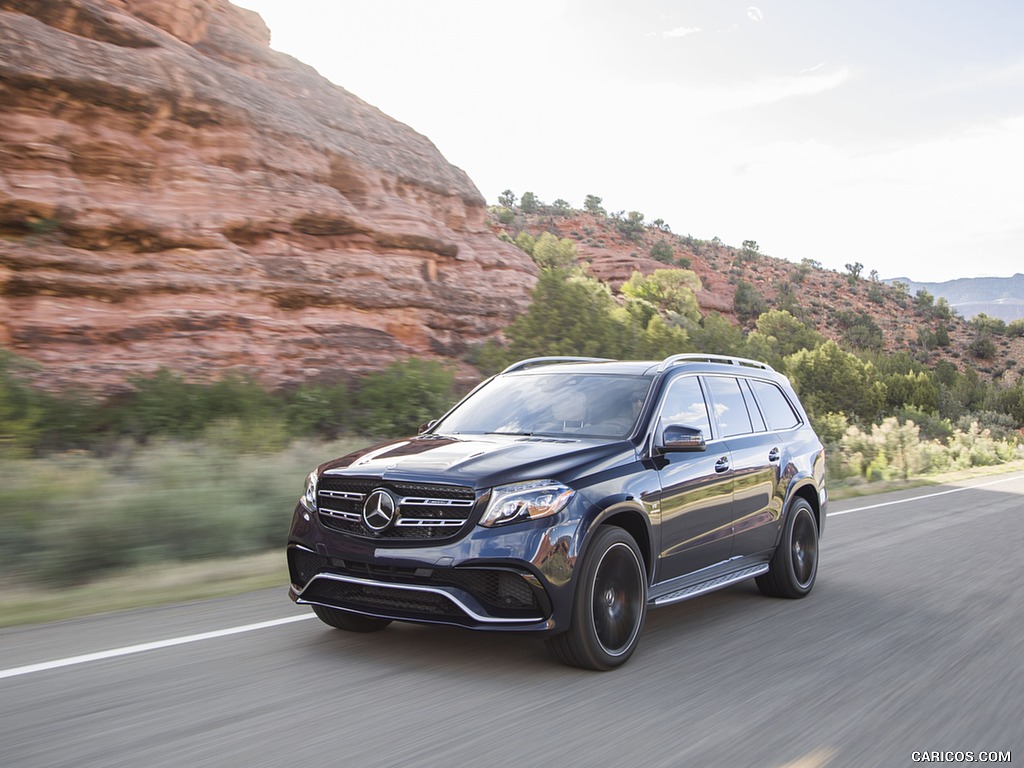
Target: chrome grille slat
[
  {"x": 348, "y": 496},
  {"x": 419, "y": 501},
  {"x": 412, "y": 521},
  {"x": 339, "y": 514}
]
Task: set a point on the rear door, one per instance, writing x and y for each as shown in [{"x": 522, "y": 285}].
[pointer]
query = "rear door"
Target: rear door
[
  {"x": 743, "y": 429},
  {"x": 766, "y": 456}
]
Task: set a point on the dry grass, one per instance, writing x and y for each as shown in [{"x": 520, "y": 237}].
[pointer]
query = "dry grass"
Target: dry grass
[{"x": 143, "y": 586}]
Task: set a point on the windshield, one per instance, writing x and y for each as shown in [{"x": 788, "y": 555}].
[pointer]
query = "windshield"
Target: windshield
[{"x": 553, "y": 404}]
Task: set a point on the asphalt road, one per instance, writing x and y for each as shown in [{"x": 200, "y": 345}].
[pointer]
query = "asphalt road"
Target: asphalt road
[{"x": 913, "y": 640}]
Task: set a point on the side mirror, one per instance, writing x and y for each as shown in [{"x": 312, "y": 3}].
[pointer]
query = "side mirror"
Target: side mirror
[
  {"x": 675, "y": 438},
  {"x": 427, "y": 425}
]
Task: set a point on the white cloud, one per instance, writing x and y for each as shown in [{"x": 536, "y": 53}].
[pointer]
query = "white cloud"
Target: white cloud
[
  {"x": 724, "y": 97},
  {"x": 754, "y": 14},
  {"x": 681, "y": 32}
]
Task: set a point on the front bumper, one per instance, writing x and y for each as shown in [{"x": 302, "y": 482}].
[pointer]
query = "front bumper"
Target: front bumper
[
  {"x": 478, "y": 598},
  {"x": 507, "y": 579}
]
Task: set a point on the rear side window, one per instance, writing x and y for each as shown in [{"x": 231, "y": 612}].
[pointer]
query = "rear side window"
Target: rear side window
[
  {"x": 752, "y": 409},
  {"x": 730, "y": 408},
  {"x": 775, "y": 406}
]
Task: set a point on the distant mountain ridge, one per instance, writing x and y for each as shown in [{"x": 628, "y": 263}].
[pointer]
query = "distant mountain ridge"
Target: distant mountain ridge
[{"x": 1001, "y": 297}]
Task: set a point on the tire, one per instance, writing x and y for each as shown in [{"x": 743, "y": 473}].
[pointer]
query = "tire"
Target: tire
[
  {"x": 794, "y": 566},
  {"x": 351, "y": 622},
  {"x": 609, "y": 607}
]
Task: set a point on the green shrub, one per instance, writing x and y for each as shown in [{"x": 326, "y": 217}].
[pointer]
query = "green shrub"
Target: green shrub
[
  {"x": 232, "y": 411},
  {"x": 631, "y": 227},
  {"x": 21, "y": 407},
  {"x": 986, "y": 325},
  {"x": 592, "y": 204},
  {"x": 748, "y": 301},
  {"x": 895, "y": 449},
  {"x": 402, "y": 397},
  {"x": 983, "y": 347},
  {"x": 548, "y": 251},
  {"x": 662, "y": 251},
  {"x": 671, "y": 290},
  {"x": 860, "y": 330},
  {"x": 318, "y": 409},
  {"x": 831, "y": 427}
]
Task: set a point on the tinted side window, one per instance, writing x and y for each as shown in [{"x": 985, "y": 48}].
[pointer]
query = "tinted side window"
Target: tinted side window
[
  {"x": 684, "y": 405},
  {"x": 730, "y": 409},
  {"x": 775, "y": 406}
]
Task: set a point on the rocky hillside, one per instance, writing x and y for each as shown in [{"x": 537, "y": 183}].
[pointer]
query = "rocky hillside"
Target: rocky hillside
[
  {"x": 173, "y": 192},
  {"x": 859, "y": 311}
]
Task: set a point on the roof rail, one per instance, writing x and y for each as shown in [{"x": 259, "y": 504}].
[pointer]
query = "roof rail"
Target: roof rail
[
  {"x": 524, "y": 364},
  {"x": 670, "y": 361}
]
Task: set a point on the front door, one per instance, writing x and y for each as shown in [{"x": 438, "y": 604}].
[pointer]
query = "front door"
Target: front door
[{"x": 696, "y": 489}]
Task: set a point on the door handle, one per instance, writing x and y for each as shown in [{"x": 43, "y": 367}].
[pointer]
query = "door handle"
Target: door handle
[
  {"x": 773, "y": 454},
  {"x": 722, "y": 465}
]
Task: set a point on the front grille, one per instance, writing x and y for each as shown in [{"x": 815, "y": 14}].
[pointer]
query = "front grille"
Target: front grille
[{"x": 425, "y": 510}]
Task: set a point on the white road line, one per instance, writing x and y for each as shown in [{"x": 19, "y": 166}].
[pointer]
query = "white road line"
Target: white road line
[
  {"x": 926, "y": 496},
  {"x": 130, "y": 649}
]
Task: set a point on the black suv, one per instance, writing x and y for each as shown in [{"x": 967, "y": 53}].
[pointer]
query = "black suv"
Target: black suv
[{"x": 566, "y": 496}]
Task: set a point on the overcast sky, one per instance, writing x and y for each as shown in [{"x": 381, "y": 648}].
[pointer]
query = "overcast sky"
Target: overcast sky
[{"x": 885, "y": 132}]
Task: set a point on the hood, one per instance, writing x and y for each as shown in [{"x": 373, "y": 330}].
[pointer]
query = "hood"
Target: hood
[{"x": 483, "y": 461}]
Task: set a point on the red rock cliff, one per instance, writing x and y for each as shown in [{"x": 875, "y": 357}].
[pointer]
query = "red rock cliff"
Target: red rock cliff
[{"x": 173, "y": 192}]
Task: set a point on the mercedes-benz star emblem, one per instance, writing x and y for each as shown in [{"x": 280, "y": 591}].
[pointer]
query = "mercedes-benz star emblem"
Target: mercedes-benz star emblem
[{"x": 379, "y": 510}]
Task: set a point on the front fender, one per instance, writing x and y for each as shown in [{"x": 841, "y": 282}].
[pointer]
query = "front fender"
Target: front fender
[{"x": 625, "y": 511}]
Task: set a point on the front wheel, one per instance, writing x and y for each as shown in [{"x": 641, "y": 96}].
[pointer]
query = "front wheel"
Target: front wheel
[
  {"x": 353, "y": 622},
  {"x": 610, "y": 605},
  {"x": 794, "y": 565}
]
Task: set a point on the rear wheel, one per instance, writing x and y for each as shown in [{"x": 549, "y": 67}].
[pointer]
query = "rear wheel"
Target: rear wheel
[
  {"x": 352, "y": 622},
  {"x": 610, "y": 605},
  {"x": 794, "y": 565}
]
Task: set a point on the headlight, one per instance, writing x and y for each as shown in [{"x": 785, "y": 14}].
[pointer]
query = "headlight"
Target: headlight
[
  {"x": 308, "y": 499},
  {"x": 525, "y": 501}
]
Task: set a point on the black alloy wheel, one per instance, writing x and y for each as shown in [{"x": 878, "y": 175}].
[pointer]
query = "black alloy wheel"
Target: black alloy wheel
[
  {"x": 610, "y": 604},
  {"x": 794, "y": 565}
]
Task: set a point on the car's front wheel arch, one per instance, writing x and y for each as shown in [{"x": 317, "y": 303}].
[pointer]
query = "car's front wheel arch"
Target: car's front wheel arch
[{"x": 627, "y": 516}]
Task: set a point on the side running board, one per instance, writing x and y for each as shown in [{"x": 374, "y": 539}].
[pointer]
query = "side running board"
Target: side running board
[{"x": 710, "y": 585}]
